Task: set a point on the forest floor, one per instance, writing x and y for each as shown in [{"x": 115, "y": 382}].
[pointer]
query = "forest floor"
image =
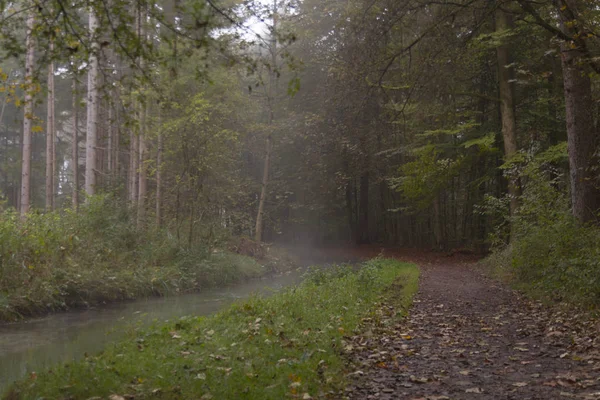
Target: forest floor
[{"x": 470, "y": 337}]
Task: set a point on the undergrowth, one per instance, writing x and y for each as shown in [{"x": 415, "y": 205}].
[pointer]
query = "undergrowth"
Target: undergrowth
[
  {"x": 284, "y": 346},
  {"x": 54, "y": 261},
  {"x": 551, "y": 255}
]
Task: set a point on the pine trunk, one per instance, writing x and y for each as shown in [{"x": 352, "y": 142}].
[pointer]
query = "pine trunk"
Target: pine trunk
[{"x": 582, "y": 135}]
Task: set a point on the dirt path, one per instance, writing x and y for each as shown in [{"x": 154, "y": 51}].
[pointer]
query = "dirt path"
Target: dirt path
[{"x": 468, "y": 337}]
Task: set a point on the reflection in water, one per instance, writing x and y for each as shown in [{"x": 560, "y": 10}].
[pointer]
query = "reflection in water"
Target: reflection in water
[{"x": 39, "y": 344}]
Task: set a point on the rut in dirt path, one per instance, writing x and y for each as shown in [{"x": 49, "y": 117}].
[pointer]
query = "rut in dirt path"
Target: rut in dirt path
[{"x": 468, "y": 337}]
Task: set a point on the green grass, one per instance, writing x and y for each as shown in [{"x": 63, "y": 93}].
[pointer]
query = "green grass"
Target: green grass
[
  {"x": 284, "y": 346},
  {"x": 60, "y": 260}
]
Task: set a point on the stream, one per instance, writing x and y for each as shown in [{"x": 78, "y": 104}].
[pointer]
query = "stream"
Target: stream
[{"x": 39, "y": 344}]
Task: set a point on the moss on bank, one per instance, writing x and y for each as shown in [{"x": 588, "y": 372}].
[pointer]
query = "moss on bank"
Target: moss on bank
[{"x": 287, "y": 345}]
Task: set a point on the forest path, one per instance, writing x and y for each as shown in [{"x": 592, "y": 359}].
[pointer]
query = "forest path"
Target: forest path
[{"x": 468, "y": 337}]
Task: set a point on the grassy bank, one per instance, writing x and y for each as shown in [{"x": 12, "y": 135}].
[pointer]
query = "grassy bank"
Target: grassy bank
[
  {"x": 285, "y": 346},
  {"x": 55, "y": 261}
]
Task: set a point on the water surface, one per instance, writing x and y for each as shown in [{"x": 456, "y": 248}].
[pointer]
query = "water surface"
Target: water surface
[{"x": 38, "y": 344}]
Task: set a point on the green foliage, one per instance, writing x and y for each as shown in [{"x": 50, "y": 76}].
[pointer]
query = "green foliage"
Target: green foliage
[
  {"x": 551, "y": 254},
  {"x": 54, "y": 261},
  {"x": 264, "y": 348},
  {"x": 423, "y": 178}
]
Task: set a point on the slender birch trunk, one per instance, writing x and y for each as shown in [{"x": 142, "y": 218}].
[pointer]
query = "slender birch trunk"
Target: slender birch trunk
[
  {"x": 117, "y": 133},
  {"x": 133, "y": 167},
  {"x": 50, "y": 139},
  {"x": 92, "y": 107},
  {"x": 110, "y": 134},
  {"x": 159, "y": 179},
  {"x": 28, "y": 117},
  {"x": 143, "y": 174},
  {"x": 142, "y": 192},
  {"x": 75, "y": 145},
  {"x": 258, "y": 235}
]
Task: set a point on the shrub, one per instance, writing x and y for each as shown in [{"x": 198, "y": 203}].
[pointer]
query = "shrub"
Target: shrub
[
  {"x": 551, "y": 253},
  {"x": 60, "y": 259}
]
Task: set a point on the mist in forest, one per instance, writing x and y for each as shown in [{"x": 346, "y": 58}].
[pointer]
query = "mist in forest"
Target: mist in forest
[{"x": 304, "y": 124}]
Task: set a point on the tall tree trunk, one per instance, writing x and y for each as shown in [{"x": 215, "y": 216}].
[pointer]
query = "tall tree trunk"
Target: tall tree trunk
[
  {"x": 28, "y": 117},
  {"x": 350, "y": 214},
  {"x": 117, "y": 133},
  {"x": 141, "y": 210},
  {"x": 268, "y": 145},
  {"x": 263, "y": 193},
  {"x": 133, "y": 167},
  {"x": 582, "y": 134},
  {"x": 507, "y": 105},
  {"x": 363, "y": 210},
  {"x": 50, "y": 138},
  {"x": 142, "y": 187},
  {"x": 159, "y": 177},
  {"x": 92, "y": 107},
  {"x": 110, "y": 146},
  {"x": 75, "y": 145}
]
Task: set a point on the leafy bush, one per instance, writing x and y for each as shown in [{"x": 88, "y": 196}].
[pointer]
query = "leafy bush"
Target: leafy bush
[
  {"x": 56, "y": 260},
  {"x": 551, "y": 253}
]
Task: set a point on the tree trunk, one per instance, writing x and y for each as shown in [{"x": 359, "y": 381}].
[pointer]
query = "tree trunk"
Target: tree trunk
[
  {"x": 350, "y": 211},
  {"x": 263, "y": 193},
  {"x": 92, "y": 107},
  {"x": 75, "y": 146},
  {"x": 110, "y": 146},
  {"x": 507, "y": 105},
  {"x": 50, "y": 138},
  {"x": 133, "y": 167},
  {"x": 117, "y": 133},
  {"x": 363, "y": 210},
  {"x": 28, "y": 117},
  {"x": 141, "y": 210},
  {"x": 159, "y": 178},
  {"x": 581, "y": 131},
  {"x": 258, "y": 235}
]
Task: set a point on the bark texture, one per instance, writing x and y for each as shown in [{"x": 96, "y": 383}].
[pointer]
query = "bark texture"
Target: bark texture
[
  {"x": 582, "y": 135},
  {"x": 507, "y": 104},
  {"x": 28, "y": 117},
  {"x": 75, "y": 146},
  {"x": 92, "y": 108},
  {"x": 258, "y": 235},
  {"x": 50, "y": 139}
]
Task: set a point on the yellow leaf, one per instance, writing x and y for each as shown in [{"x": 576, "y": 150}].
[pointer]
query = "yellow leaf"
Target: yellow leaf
[{"x": 36, "y": 128}]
